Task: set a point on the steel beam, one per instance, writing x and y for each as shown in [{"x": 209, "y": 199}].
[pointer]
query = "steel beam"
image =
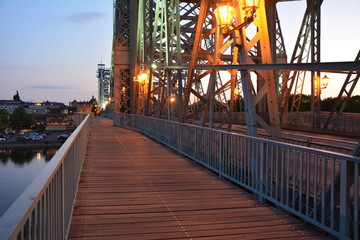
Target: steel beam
[{"x": 331, "y": 67}]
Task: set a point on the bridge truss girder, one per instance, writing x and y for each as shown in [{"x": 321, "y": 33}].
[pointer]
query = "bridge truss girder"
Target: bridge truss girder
[
  {"x": 122, "y": 85},
  {"x": 344, "y": 96},
  {"x": 182, "y": 37},
  {"x": 307, "y": 48}
]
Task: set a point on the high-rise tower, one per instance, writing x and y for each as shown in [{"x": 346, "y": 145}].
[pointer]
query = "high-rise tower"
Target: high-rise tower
[{"x": 104, "y": 87}]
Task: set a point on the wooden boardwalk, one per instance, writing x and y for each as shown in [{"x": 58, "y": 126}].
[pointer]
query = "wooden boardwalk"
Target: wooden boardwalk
[{"x": 134, "y": 188}]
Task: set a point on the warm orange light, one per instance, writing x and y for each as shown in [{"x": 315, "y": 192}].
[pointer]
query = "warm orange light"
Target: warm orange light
[
  {"x": 172, "y": 99},
  {"x": 143, "y": 77},
  {"x": 249, "y": 6},
  {"x": 324, "y": 82},
  {"x": 224, "y": 15},
  {"x": 237, "y": 91}
]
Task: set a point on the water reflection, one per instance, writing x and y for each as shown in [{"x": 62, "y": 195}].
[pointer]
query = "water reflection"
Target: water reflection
[
  {"x": 18, "y": 168},
  {"x": 20, "y": 156}
]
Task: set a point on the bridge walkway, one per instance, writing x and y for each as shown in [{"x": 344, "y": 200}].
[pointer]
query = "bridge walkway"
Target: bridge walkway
[{"x": 134, "y": 188}]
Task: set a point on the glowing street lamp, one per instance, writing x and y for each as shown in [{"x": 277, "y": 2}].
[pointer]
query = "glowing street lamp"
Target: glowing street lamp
[
  {"x": 142, "y": 78},
  {"x": 224, "y": 15},
  {"x": 249, "y": 6},
  {"x": 324, "y": 82},
  {"x": 321, "y": 83}
]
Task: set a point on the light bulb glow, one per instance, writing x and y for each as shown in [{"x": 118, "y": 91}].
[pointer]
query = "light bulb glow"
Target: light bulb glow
[{"x": 224, "y": 15}]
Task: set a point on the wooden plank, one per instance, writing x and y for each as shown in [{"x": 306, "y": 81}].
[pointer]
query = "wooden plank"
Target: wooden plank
[{"x": 133, "y": 188}]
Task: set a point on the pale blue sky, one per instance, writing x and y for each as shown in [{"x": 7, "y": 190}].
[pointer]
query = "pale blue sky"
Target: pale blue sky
[
  {"x": 340, "y": 35},
  {"x": 49, "y": 49}
]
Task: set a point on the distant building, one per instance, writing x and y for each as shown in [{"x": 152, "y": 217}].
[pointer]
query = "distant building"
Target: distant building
[
  {"x": 30, "y": 107},
  {"x": 45, "y": 107},
  {"x": 11, "y": 105},
  {"x": 58, "y": 122},
  {"x": 85, "y": 106},
  {"x": 43, "y": 113},
  {"x": 104, "y": 85}
]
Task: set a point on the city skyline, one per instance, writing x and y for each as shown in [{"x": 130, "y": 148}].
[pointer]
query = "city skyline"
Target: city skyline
[{"x": 50, "y": 49}]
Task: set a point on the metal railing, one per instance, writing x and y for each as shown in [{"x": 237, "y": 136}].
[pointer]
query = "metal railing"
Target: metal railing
[
  {"x": 347, "y": 123},
  {"x": 43, "y": 210},
  {"x": 319, "y": 186},
  {"x": 78, "y": 117},
  {"x": 107, "y": 115}
]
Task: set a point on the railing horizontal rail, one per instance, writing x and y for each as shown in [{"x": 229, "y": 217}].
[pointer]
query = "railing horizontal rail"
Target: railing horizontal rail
[
  {"x": 44, "y": 209},
  {"x": 320, "y": 186},
  {"x": 345, "y": 124}
]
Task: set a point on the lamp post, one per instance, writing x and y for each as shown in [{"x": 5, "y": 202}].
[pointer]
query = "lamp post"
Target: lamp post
[
  {"x": 225, "y": 12},
  {"x": 142, "y": 79},
  {"x": 320, "y": 83},
  {"x": 324, "y": 82},
  {"x": 237, "y": 93},
  {"x": 224, "y": 15},
  {"x": 249, "y": 6}
]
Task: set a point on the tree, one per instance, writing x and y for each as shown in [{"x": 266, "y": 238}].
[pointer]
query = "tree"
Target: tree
[
  {"x": 353, "y": 105},
  {"x": 20, "y": 118},
  {"x": 4, "y": 116},
  {"x": 327, "y": 104}
]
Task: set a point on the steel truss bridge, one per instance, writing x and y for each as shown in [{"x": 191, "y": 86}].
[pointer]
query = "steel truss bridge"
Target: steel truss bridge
[
  {"x": 175, "y": 62},
  {"x": 172, "y": 60}
]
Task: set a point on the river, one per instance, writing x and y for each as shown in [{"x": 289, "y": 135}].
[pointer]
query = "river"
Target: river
[{"x": 18, "y": 168}]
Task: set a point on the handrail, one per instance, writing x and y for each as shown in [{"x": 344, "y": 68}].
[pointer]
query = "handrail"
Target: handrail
[
  {"x": 78, "y": 117},
  {"x": 346, "y": 123},
  {"x": 107, "y": 115},
  {"x": 300, "y": 180},
  {"x": 44, "y": 209}
]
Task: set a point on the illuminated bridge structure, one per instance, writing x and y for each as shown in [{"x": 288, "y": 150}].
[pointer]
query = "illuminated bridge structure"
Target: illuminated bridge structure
[
  {"x": 216, "y": 90},
  {"x": 222, "y": 64}
]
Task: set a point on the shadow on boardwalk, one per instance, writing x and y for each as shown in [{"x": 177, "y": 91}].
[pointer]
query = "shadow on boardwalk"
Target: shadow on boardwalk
[{"x": 134, "y": 188}]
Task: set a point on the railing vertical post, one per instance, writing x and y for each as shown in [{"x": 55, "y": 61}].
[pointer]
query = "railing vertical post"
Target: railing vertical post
[
  {"x": 62, "y": 200},
  {"x": 344, "y": 197},
  {"x": 179, "y": 136},
  {"x": 356, "y": 202},
  {"x": 196, "y": 144},
  {"x": 221, "y": 156},
  {"x": 261, "y": 188},
  {"x": 157, "y": 129}
]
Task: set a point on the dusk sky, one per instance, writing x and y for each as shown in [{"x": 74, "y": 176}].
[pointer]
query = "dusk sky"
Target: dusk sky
[{"x": 49, "y": 49}]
